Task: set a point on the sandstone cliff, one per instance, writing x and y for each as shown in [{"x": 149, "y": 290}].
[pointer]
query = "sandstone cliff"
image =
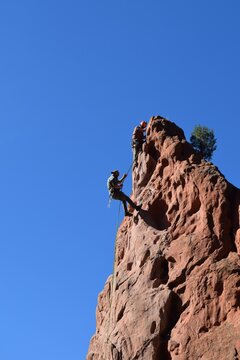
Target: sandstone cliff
[{"x": 175, "y": 291}]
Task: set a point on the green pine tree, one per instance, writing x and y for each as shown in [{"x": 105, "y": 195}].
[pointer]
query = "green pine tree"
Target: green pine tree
[{"x": 204, "y": 141}]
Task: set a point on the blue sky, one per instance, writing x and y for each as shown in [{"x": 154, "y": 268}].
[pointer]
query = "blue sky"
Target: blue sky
[{"x": 75, "y": 78}]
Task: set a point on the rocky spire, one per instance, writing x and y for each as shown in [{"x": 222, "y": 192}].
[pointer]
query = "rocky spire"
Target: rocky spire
[{"x": 175, "y": 291}]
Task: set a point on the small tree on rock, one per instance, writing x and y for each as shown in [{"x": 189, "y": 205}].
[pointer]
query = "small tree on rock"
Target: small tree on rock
[{"x": 204, "y": 141}]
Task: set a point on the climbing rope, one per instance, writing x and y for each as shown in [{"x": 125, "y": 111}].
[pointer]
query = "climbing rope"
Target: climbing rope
[
  {"x": 113, "y": 276},
  {"x": 117, "y": 224},
  {"x": 130, "y": 166},
  {"x": 115, "y": 243},
  {"x": 115, "y": 250}
]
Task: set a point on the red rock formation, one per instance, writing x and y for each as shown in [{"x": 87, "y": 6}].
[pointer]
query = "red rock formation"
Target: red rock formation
[{"x": 175, "y": 291}]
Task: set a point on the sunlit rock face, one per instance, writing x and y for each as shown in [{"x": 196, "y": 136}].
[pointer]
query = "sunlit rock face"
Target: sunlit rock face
[{"x": 175, "y": 290}]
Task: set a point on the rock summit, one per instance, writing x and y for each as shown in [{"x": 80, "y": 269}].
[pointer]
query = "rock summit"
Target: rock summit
[{"x": 175, "y": 290}]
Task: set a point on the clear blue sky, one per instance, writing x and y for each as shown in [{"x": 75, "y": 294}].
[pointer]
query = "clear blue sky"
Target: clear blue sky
[{"x": 75, "y": 78}]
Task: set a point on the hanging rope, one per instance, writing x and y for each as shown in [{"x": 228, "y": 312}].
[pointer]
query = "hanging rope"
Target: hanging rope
[
  {"x": 130, "y": 166},
  {"x": 114, "y": 260},
  {"x": 115, "y": 243},
  {"x": 113, "y": 276}
]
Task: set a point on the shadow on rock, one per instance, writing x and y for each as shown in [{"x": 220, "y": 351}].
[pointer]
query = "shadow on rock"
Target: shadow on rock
[{"x": 156, "y": 220}]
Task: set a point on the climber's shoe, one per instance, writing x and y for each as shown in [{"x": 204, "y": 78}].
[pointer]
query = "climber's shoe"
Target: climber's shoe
[
  {"x": 139, "y": 207},
  {"x": 128, "y": 214}
]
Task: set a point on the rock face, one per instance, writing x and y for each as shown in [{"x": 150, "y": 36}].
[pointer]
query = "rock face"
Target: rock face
[{"x": 175, "y": 291}]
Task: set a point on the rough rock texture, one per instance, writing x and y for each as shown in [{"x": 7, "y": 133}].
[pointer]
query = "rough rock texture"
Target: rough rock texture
[{"x": 175, "y": 291}]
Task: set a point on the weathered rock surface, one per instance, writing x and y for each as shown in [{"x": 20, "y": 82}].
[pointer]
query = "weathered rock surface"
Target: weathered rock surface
[{"x": 175, "y": 291}]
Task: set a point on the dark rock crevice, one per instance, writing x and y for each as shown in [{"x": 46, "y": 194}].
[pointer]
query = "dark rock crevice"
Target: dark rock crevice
[
  {"x": 152, "y": 151},
  {"x": 162, "y": 352},
  {"x": 159, "y": 271},
  {"x": 116, "y": 354},
  {"x": 157, "y": 214}
]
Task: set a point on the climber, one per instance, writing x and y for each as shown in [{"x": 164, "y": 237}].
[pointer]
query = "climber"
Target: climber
[
  {"x": 138, "y": 138},
  {"x": 115, "y": 191}
]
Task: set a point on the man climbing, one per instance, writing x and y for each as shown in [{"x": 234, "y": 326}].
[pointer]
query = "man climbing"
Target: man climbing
[
  {"x": 138, "y": 138},
  {"x": 115, "y": 191}
]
